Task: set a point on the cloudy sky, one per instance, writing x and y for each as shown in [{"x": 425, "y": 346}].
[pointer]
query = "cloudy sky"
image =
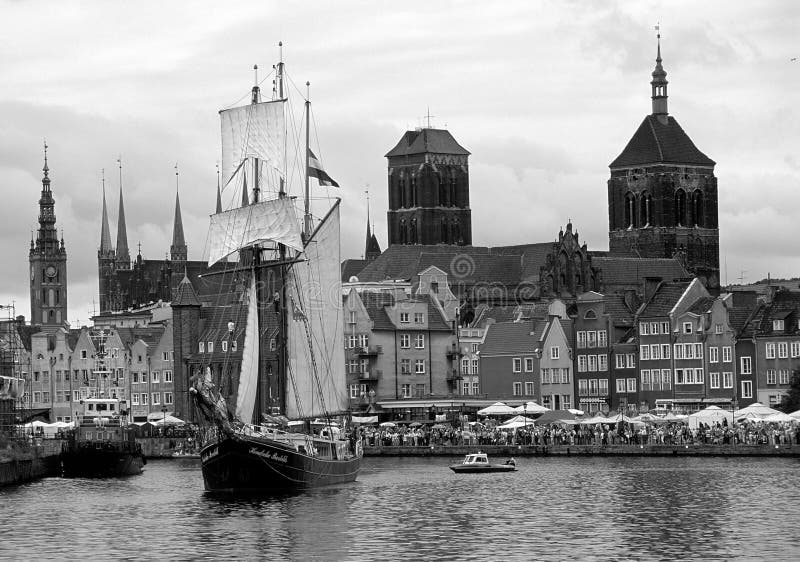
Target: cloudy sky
[{"x": 544, "y": 94}]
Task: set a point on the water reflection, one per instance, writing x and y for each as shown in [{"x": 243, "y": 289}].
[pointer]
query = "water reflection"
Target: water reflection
[{"x": 411, "y": 509}]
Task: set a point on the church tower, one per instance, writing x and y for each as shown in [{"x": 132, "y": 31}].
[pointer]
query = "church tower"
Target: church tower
[
  {"x": 123, "y": 254},
  {"x": 662, "y": 193},
  {"x": 429, "y": 190},
  {"x": 178, "y": 250},
  {"x": 48, "y": 261}
]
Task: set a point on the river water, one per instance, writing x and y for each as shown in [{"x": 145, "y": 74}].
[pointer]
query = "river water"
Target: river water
[{"x": 591, "y": 508}]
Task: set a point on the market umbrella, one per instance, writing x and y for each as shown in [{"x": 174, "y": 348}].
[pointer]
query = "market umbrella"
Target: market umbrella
[
  {"x": 711, "y": 416},
  {"x": 415, "y": 424},
  {"x": 756, "y": 408},
  {"x": 497, "y": 409},
  {"x": 780, "y": 417},
  {"x": 531, "y": 408},
  {"x": 796, "y": 414},
  {"x": 555, "y": 416},
  {"x": 388, "y": 424}
]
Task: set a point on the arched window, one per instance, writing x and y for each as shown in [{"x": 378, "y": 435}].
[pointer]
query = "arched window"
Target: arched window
[
  {"x": 697, "y": 207},
  {"x": 445, "y": 231},
  {"x": 680, "y": 207},
  {"x": 590, "y": 315},
  {"x": 413, "y": 233},
  {"x": 442, "y": 190},
  {"x": 413, "y": 190},
  {"x": 645, "y": 209},
  {"x": 456, "y": 232},
  {"x": 452, "y": 202},
  {"x": 629, "y": 209},
  {"x": 403, "y": 233},
  {"x": 401, "y": 188}
]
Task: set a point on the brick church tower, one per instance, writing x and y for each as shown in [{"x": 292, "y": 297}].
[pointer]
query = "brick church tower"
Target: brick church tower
[
  {"x": 429, "y": 190},
  {"x": 662, "y": 194},
  {"x": 48, "y": 261}
]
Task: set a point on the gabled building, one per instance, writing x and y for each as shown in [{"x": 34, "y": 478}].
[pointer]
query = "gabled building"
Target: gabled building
[
  {"x": 556, "y": 347},
  {"x": 592, "y": 351},
  {"x": 509, "y": 363}
]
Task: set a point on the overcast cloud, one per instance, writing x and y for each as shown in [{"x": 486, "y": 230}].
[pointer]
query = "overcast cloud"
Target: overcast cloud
[{"x": 543, "y": 94}]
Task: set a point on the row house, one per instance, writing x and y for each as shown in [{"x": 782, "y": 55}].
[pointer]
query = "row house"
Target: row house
[
  {"x": 469, "y": 341},
  {"x": 530, "y": 360},
  {"x": 770, "y": 348},
  {"x": 66, "y": 368},
  {"x": 592, "y": 352},
  {"x": 401, "y": 347}
]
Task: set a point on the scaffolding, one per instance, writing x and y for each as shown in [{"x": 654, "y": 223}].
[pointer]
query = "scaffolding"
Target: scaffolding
[{"x": 14, "y": 400}]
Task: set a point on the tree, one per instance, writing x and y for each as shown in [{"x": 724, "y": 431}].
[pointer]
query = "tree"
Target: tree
[{"x": 791, "y": 400}]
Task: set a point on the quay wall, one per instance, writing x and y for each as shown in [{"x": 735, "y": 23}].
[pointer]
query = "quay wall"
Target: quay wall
[
  {"x": 738, "y": 450},
  {"x": 34, "y": 461}
]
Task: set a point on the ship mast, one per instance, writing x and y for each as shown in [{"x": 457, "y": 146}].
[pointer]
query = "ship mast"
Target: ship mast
[
  {"x": 255, "y": 262},
  {"x": 307, "y": 215},
  {"x": 283, "y": 357}
]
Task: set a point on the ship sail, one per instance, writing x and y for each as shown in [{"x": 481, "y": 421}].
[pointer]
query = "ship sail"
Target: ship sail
[
  {"x": 248, "y": 376},
  {"x": 253, "y": 131},
  {"x": 274, "y": 220},
  {"x": 316, "y": 383}
]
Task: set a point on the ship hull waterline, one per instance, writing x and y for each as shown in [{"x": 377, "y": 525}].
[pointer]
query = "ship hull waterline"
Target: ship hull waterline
[
  {"x": 99, "y": 463},
  {"x": 247, "y": 465}
]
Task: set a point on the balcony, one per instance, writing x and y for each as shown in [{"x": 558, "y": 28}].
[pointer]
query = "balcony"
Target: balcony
[
  {"x": 372, "y": 350},
  {"x": 370, "y": 375},
  {"x": 453, "y": 375},
  {"x": 453, "y": 352}
]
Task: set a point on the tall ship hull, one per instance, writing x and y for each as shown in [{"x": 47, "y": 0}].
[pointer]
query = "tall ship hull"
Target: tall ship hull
[
  {"x": 253, "y": 465},
  {"x": 101, "y": 460}
]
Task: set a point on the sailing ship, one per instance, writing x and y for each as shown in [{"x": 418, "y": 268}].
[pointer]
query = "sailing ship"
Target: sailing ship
[
  {"x": 102, "y": 443},
  {"x": 299, "y": 443}
]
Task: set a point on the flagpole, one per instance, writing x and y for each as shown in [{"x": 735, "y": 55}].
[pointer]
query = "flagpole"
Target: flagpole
[{"x": 307, "y": 216}]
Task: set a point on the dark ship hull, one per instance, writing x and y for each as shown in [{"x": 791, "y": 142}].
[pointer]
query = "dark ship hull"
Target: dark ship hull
[
  {"x": 243, "y": 464},
  {"x": 101, "y": 459}
]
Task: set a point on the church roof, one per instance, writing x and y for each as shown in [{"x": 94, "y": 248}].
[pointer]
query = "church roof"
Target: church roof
[
  {"x": 427, "y": 141},
  {"x": 657, "y": 142},
  {"x": 622, "y": 270},
  {"x": 352, "y": 267}
]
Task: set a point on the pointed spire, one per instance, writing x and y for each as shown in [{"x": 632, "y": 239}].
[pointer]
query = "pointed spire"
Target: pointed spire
[
  {"x": 46, "y": 168},
  {"x": 105, "y": 231},
  {"x": 123, "y": 254},
  {"x": 369, "y": 230},
  {"x": 659, "y": 82},
  {"x": 178, "y": 250}
]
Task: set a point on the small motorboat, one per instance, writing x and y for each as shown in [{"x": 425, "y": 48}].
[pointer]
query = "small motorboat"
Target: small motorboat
[{"x": 479, "y": 462}]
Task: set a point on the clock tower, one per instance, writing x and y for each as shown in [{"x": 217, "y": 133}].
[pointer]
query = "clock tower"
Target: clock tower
[{"x": 48, "y": 264}]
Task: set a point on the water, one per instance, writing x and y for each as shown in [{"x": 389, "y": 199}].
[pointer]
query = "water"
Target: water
[{"x": 416, "y": 509}]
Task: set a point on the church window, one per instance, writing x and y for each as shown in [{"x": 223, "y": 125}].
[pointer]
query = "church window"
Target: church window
[
  {"x": 646, "y": 209},
  {"x": 403, "y": 233},
  {"x": 629, "y": 210},
  {"x": 697, "y": 207},
  {"x": 445, "y": 237},
  {"x": 442, "y": 191},
  {"x": 452, "y": 201},
  {"x": 413, "y": 191},
  {"x": 680, "y": 207},
  {"x": 413, "y": 234},
  {"x": 401, "y": 188}
]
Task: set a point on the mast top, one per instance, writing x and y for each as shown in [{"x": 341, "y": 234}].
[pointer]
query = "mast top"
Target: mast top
[{"x": 256, "y": 95}]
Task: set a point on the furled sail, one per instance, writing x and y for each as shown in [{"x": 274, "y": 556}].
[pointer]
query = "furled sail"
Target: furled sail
[
  {"x": 273, "y": 220},
  {"x": 316, "y": 329},
  {"x": 248, "y": 377},
  {"x": 253, "y": 131}
]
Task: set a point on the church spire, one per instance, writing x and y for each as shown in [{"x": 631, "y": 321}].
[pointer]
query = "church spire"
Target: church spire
[
  {"x": 105, "y": 231},
  {"x": 178, "y": 251},
  {"x": 659, "y": 82},
  {"x": 123, "y": 254}
]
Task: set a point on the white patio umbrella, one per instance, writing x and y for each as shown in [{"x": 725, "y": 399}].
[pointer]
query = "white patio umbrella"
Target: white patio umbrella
[
  {"x": 518, "y": 419},
  {"x": 780, "y": 417},
  {"x": 387, "y": 424},
  {"x": 497, "y": 409},
  {"x": 531, "y": 408},
  {"x": 711, "y": 416},
  {"x": 796, "y": 414},
  {"x": 756, "y": 408}
]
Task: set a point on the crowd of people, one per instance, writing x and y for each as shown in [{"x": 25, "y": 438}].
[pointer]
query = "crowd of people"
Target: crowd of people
[{"x": 600, "y": 434}]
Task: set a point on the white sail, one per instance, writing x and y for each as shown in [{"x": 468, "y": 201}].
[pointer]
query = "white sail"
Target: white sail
[
  {"x": 253, "y": 131},
  {"x": 273, "y": 220},
  {"x": 248, "y": 376},
  {"x": 315, "y": 334}
]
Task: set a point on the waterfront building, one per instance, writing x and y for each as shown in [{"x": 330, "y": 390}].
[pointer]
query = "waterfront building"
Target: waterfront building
[
  {"x": 774, "y": 353},
  {"x": 662, "y": 193},
  {"x": 470, "y": 339},
  {"x": 556, "y": 351},
  {"x": 509, "y": 362},
  {"x": 593, "y": 325}
]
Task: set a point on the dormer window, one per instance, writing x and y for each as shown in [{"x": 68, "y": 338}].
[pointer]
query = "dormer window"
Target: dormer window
[
  {"x": 211, "y": 347},
  {"x": 687, "y": 327},
  {"x": 202, "y": 347},
  {"x": 404, "y": 318},
  {"x": 777, "y": 325}
]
